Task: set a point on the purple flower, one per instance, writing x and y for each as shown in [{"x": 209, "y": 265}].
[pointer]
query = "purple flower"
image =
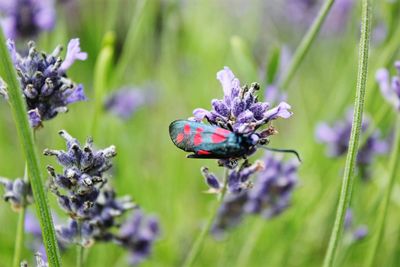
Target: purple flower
[
  {"x": 17, "y": 192},
  {"x": 82, "y": 177},
  {"x": 269, "y": 196},
  {"x": 273, "y": 188},
  {"x": 124, "y": 102},
  {"x": 46, "y": 88},
  {"x": 355, "y": 233},
  {"x": 240, "y": 110},
  {"x": 32, "y": 227},
  {"x": 73, "y": 53},
  {"x": 26, "y": 18},
  {"x": 230, "y": 213},
  {"x": 94, "y": 209},
  {"x": 390, "y": 88},
  {"x": 137, "y": 235},
  {"x": 337, "y": 136}
]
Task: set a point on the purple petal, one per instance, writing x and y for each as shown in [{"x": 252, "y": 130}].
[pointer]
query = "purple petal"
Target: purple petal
[
  {"x": 282, "y": 110},
  {"x": 229, "y": 83},
  {"x": 125, "y": 102},
  {"x": 200, "y": 113},
  {"x": 245, "y": 117},
  {"x": 220, "y": 107},
  {"x": 76, "y": 95},
  {"x": 325, "y": 134},
  {"x": 12, "y": 50},
  {"x": 382, "y": 77},
  {"x": 9, "y": 27},
  {"x": 73, "y": 53},
  {"x": 34, "y": 118}
]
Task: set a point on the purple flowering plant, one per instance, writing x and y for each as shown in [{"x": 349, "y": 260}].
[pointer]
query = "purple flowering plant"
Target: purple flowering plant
[
  {"x": 336, "y": 138},
  {"x": 95, "y": 211},
  {"x": 26, "y": 18},
  {"x": 241, "y": 112},
  {"x": 390, "y": 87},
  {"x": 45, "y": 86}
]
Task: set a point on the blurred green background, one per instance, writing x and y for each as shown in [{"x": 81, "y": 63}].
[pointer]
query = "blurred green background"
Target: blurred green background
[{"x": 178, "y": 46}]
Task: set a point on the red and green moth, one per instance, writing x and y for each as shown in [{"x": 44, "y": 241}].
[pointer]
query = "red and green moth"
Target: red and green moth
[{"x": 207, "y": 141}]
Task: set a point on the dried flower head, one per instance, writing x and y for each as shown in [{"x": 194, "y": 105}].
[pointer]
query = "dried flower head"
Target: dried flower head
[
  {"x": 390, "y": 88},
  {"x": 26, "y": 18},
  {"x": 44, "y": 83},
  {"x": 240, "y": 109},
  {"x": 17, "y": 192}
]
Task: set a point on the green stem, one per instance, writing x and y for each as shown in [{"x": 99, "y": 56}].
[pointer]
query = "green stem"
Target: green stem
[
  {"x": 131, "y": 41},
  {"x": 348, "y": 178},
  {"x": 305, "y": 44},
  {"x": 382, "y": 215},
  {"x": 251, "y": 242},
  {"x": 18, "y": 108},
  {"x": 19, "y": 239},
  {"x": 101, "y": 76},
  {"x": 196, "y": 248},
  {"x": 79, "y": 247}
]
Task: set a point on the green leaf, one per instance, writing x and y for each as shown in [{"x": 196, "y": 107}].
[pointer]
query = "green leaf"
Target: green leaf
[
  {"x": 19, "y": 111},
  {"x": 273, "y": 65}
]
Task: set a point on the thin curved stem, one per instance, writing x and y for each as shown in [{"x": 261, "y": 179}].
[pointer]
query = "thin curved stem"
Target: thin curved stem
[
  {"x": 305, "y": 44},
  {"x": 79, "y": 247},
  {"x": 348, "y": 177},
  {"x": 251, "y": 242},
  {"x": 196, "y": 248},
  {"x": 382, "y": 215},
  {"x": 19, "y": 238}
]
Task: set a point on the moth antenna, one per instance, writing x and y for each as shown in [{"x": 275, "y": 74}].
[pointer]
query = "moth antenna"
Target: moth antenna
[{"x": 292, "y": 151}]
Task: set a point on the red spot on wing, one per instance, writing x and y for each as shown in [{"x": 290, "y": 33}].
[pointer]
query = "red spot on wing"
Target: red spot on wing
[
  {"x": 203, "y": 152},
  {"x": 220, "y": 135},
  {"x": 197, "y": 140},
  {"x": 179, "y": 137},
  {"x": 186, "y": 129}
]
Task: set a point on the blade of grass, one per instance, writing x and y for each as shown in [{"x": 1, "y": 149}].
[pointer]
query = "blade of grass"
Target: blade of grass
[
  {"x": 382, "y": 215},
  {"x": 196, "y": 247},
  {"x": 305, "y": 44},
  {"x": 348, "y": 176},
  {"x": 18, "y": 108},
  {"x": 101, "y": 78}
]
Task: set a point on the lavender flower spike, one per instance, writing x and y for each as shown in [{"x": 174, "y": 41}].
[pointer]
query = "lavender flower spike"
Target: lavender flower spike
[
  {"x": 337, "y": 136},
  {"x": 124, "y": 102},
  {"x": 137, "y": 235},
  {"x": 46, "y": 87},
  {"x": 390, "y": 89},
  {"x": 240, "y": 109},
  {"x": 26, "y": 18},
  {"x": 273, "y": 188}
]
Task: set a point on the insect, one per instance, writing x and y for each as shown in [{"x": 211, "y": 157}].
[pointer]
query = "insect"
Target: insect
[{"x": 212, "y": 142}]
